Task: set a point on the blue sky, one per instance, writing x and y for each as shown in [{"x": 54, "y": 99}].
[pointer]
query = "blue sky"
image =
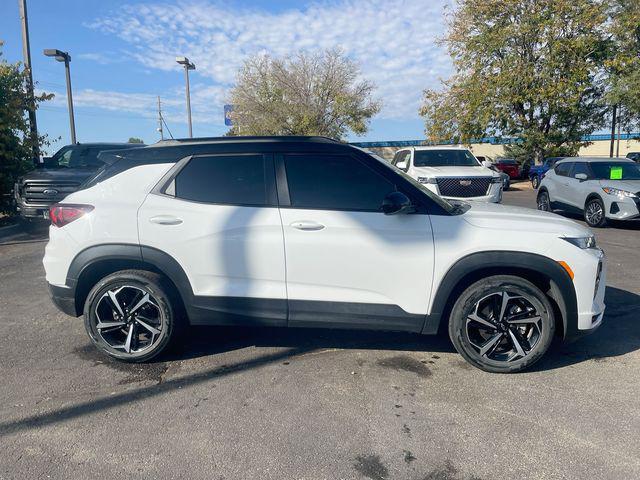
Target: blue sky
[{"x": 123, "y": 56}]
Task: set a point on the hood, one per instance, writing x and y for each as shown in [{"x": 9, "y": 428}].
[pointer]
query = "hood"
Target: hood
[
  {"x": 502, "y": 217},
  {"x": 478, "y": 171},
  {"x": 58, "y": 174},
  {"x": 628, "y": 185}
]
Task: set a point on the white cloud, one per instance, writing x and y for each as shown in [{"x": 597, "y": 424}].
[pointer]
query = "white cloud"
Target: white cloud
[{"x": 393, "y": 40}]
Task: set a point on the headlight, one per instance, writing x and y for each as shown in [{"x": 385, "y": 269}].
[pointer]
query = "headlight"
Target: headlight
[
  {"x": 618, "y": 193},
  {"x": 496, "y": 179},
  {"x": 427, "y": 180},
  {"x": 582, "y": 242}
]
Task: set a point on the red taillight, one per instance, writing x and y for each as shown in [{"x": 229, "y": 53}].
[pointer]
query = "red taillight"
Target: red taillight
[{"x": 64, "y": 213}]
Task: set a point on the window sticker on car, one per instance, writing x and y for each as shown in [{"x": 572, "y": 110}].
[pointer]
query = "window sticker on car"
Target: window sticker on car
[{"x": 615, "y": 173}]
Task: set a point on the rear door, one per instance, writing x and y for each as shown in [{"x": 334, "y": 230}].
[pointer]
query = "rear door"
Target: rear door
[
  {"x": 218, "y": 218},
  {"x": 348, "y": 264},
  {"x": 560, "y": 182}
]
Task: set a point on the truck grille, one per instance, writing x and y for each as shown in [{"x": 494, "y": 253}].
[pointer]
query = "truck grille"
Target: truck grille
[
  {"x": 47, "y": 192},
  {"x": 463, "y": 186}
]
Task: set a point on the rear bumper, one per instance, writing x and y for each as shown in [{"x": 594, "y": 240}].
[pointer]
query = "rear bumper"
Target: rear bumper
[{"x": 65, "y": 299}]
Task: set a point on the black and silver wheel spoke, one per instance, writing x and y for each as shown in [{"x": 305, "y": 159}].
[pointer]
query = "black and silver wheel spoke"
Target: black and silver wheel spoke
[
  {"x": 128, "y": 319},
  {"x": 504, "y": 326}
]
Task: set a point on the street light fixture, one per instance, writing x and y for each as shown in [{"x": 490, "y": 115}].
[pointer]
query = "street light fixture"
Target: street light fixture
[
  {"x": 61, "y": 56},
  {"x": 184, "y": 61}
]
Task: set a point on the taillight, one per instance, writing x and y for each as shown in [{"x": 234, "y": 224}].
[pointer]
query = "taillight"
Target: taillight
[{"x": 63, "y": 213}]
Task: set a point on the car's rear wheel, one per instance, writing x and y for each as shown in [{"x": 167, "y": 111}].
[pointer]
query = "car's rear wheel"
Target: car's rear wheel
[
  {"x": 543, "y": 201},
  {"x": 594, "y": 213},
  {"x": 502, "y": 324},
  {"x": 129, "y": 315},
  {"x": 535, "y": 182}
]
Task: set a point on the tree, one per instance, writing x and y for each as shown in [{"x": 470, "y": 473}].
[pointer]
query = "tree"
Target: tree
[
  {"x": 624, "y": 62},
  {"x": 135, "y": 140},
  {"x": 304, "y": 94},
  {"x": 529, "y": 69},
  {"x": 15, "y": 142}
]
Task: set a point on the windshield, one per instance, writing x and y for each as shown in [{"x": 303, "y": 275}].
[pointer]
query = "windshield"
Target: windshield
[
  {"x": 506, "y": 161},
  {"x": 447, "y": 206},
  {"x": 70, "y": 157},
  {"x": 615, "y": 170},
  {"x": 444, "y": 158}
]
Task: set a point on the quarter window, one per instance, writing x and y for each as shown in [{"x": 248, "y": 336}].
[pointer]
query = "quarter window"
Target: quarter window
[
  {"x": 223, "y": 179},
  {"x": 327, "y": 182}
]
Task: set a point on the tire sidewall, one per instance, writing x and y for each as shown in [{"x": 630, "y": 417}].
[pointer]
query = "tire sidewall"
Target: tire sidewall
[
  {"x": 479, "y": 290},
  {"x": 603, "y": 221},
  {"x": 535, "y": 182},
  {"x": 543, "y": 193},
  {"x": 149, "y": 285}
]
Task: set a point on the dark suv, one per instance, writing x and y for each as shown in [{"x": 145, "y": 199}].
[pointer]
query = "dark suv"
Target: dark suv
[{"x": 59, "y": 176}]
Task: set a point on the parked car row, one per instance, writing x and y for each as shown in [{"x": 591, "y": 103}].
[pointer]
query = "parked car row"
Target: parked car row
[{"x": 310, "y": 232}]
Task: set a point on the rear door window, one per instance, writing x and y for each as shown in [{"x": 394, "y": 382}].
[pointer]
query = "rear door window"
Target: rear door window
[{"x": 563, "y": 169}]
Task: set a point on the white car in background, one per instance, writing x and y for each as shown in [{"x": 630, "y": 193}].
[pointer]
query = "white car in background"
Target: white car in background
[
  {"x": 451, "y": 172},
  {"x": 599, "y": 188}
]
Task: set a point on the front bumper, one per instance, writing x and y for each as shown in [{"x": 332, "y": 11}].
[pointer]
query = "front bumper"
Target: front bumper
[
  {"x": 591, "y": 286},
  {"x": 622, "y": 208}
]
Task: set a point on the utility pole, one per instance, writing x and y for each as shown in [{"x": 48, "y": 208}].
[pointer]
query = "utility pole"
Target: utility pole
[
  {"x": 613, "y": 130},
  {"x": 619, "y": 124},
  {"x": 160, "y": 120},
  {"x": 26, "y": 53}
]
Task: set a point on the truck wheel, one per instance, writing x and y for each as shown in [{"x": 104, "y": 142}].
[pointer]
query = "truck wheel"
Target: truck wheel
[{"x": 502, "y": 324}]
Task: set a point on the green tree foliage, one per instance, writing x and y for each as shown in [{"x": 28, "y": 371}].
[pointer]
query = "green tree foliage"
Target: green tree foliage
[
  {"x": 623, "y": 64},
  {"x": 529, "y": 69},
  {"x": 305, "y": 94},
  {"x": 135, "y": 140},
  {"x": 15, "y": 143}
]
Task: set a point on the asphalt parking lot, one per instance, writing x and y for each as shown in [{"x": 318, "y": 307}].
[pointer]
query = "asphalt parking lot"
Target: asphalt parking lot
[{"x": 313, "y": 404}]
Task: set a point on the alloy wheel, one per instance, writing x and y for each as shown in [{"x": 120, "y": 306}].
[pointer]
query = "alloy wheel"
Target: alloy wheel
[
  {"x": 504, "y": 326},
  {"x": 594, "y": 213},
  {"x": 128, "y": 319},
  {"x": 543, "y": 202}
]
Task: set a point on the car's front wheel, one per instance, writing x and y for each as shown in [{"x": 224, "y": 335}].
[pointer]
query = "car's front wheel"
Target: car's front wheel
[
  {"x": 543, "y": 202},
  {"x": 129, "y": 315},
  {"x": 502, "y": 324},
  {"x": 594, "y": 213}
]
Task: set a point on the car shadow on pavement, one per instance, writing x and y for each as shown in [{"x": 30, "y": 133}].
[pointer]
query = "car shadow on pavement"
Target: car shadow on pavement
[
  {"x": 24, "y": 231},
  {"x": 618, "y": 335},
  {"x": 617, "y": 224},
  {"x": 204, "y": 341}
]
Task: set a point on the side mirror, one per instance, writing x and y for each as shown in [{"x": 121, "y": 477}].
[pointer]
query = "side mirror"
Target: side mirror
[
  {"x": 402, "y": 165},
  {"x": 396, "y": 202},
  {"x": 582, "y": 176}
]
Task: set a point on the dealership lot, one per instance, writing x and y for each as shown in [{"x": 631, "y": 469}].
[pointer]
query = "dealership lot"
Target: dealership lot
[{"x": 313, "y": 404}]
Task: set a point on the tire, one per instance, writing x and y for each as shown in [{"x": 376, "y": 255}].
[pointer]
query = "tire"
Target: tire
[
  {"x": 543, "y": 201},
  {"x": 506, "y": 343},
  {"x": 136, "y": 336},
  {"x": 595, "y": 213},
  {"x": 535, "y": 182}
]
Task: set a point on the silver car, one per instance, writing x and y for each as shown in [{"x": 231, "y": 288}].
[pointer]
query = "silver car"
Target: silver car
[{"x": 599, "y": 188}]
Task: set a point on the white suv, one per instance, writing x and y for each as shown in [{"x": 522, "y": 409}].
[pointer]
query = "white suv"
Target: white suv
[
  {"x": 599, "y": 188},
  {"x": 310, "y": 232},
  {"x": 451, "y": 172}
]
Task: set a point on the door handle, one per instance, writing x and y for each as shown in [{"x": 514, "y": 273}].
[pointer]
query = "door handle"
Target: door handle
[
  {"x": 166, "y": 220},
  {"x": 307, "y": 225}
]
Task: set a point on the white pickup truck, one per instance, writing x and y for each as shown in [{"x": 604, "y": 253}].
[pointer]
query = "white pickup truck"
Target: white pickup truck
[{"x": 451, "y": 172}]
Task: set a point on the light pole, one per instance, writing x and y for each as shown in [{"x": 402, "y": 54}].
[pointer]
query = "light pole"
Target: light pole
[
  {"x": 66, "y": 58},
  {"x": 184, "y": 61}
]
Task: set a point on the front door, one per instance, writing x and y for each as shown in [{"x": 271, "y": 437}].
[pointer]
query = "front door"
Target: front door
[{"x": 347, "y": 263}]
